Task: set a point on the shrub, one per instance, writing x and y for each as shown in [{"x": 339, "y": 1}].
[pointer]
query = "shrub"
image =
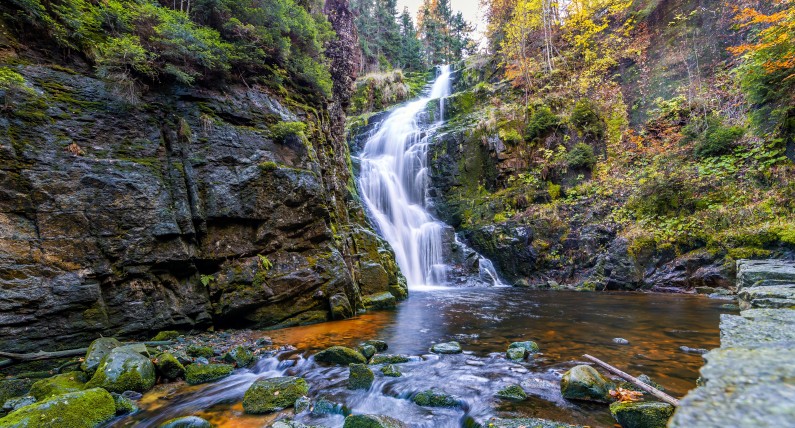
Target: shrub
[
  {"x": 718, "y": 141},
  {"x": 581, "y": 156},
  {"x": 541, "y": 123},
  {"x": 12, "y": 84},
  {"x": 283, "y": 130},
  {"x": 662, "y": 194},
  {"x": 586, "y": 120}
]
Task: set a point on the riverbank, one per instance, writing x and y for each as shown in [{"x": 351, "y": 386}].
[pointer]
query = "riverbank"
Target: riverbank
[{"x": 748, "y": 381}]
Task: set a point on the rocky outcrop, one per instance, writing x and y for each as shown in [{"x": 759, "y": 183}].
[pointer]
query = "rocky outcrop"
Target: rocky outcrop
[{"x": 191, "y": 208}]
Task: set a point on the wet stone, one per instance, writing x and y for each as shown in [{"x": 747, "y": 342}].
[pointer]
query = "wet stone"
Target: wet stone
[
  {"x": 512, "y": 392},
  {"x": 642, "y": 414},
  {"x": 186, "y": 422},
  {"x": 360, "y": 376},
  {"x": 447, "y": 348},
  {"x": 372, "y": 421},
  {"x": 585, "y": 383},
  {"x": 271, "y": 395},
  {"x": 391, "y": 371},
  {"x": 340, "y": 355}
]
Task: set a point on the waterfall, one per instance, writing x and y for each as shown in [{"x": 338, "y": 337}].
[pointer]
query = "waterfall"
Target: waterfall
[{"x": 394, "y": 186}]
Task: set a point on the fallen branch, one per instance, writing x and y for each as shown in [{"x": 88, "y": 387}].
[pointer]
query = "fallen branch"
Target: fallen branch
[
  {"x": 41, "y": 355},
  {"x": 650, "y": 389}
]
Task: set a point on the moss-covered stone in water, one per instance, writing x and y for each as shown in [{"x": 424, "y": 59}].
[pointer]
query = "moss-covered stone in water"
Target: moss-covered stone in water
[
  {"x": 391, "y": 371},
  {"x": 383, "y": 300},
  {"x": 530, "y": 346},
  {"x": 324, "y": 406},
  {"x": 527, "y": 423},
  {"x": 12, "y": 388},
  {"x": 302, "y": 404},
  {"x": 240, "y": 356},
  {"x": 96, "y": 352},
  {"x": 82, "y": 409},
  {"x": 166, "y": 335},
  {"x": 124, "y": 406},
  {"x": 340, "y": 355},
  {"x": 447, "y": 348},
  {"x": 512, "y": 392},
  {"x": 200, "y": 351},
  {"x": 431, "y": 398},
  {"x": 372, "y": 421},
  {"x": 516, "y": 354},
  {"x": 389, "y": 359},
  {"x": 59, "y": 384},
  {"x": 379, "y": 345},
  {"x": 196, "y": 374},
  {"x": 366, "y": 350},
  {"x": 360, "y": 376},
  {"x": 271, "y": 395},
  {"x": 585, "y": 383},
  {"x": 169, "y": 367},
  {"x": 186, "y": 422},
  {"x": 642, "y": 414},
  {"x": 124, "y": 370}
]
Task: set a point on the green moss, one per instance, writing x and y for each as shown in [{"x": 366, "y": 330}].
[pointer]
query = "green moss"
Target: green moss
[
  {"x": 433, "y": 398},
  {"x": 166, "y": 335},
  {"x": 391, "y": 371},
  {"x": 124, "y": 370},
  {"x": 372, "y": 421},
  {"x": 200, "y": 351},
  {"x": 240, "y": 356},
  {"x": 541, "y": 123},
  {"x": 748, "y": 253},
  {"x": 12, "y": 388},
  {"x": 83, "y": 409},
  {"x": 389, "y": 359},
  {"x": 512, "y": 392},
  {"x": 196, "y": 374},
  {"x": 59, "y": 384},
  {"x": 124, "y": 406},
  {"x": 169, "y": 367},
  {"x": 340, "y": 355},
  {"x": 270, "y": 395},
  {"x": 360, "y": 376},
  {"x": 642, "y": 414}
]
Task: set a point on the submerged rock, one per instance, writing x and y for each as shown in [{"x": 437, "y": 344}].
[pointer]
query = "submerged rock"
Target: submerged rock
[
  {"x": 271, "y": 395},
  {"x": 196, "y": 374},
  {"x": 530, "y": 346},
  {"x": 642, "y": 414},
  {"x": 82, "y": 409},
  {"x": 169, "y": 367},
  {"x": 324, "y": 406},
  {"x": 512, "y": 392},
  {"x": 124, "y": 370},
  {"x": 433, "y": 398},
  {"x": 447, "y": 348},
  {"x": 372, "y": 421},
  {"x": 391, "y": 371},
  {"x": 585, "y": 383},
  {"x": 360, "y": 376},
  {"x": 389, "y": 359},
  {"x": 186, "y": 422},
  {"x": 340, "y": 355},
  {"x": 96, "y": 352},
  {"x": 58, "y": 384}
]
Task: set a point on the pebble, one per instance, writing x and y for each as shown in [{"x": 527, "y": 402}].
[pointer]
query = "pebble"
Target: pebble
[
  {"x": 689, "y": 350},
  {"x": 621, "y": 341}
]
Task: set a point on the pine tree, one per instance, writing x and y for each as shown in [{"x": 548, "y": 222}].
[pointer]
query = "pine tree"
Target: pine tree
[{"x": 411, "y": 57}]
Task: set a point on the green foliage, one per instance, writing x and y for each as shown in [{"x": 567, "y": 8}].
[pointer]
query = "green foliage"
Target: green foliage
[
  {"x": 586, "y": 120},
  {"x": 12, "y": 85},
  {"x": 662, "y": 194},
  {"x": 712, "y": 137},
  {"x": 510, "y": 136},
  {"x": 541, "y": 122},
  {"x": 581, "y": 156},
  {"x": 264, "y": 263},
  {"x": 283, "y": 130},
  {"x": 206, "y": 280}
]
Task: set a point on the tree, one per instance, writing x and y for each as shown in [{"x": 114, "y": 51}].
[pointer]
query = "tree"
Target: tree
[
  {"x": 445, "y": 35},
  {"x": 411, "y": 56}
]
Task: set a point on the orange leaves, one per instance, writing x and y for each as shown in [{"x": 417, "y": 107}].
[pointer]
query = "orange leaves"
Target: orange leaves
[{"x": 624, "y": 395}]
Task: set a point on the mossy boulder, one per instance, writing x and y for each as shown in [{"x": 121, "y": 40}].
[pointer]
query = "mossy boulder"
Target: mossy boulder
[
  {"x": 340, "y": 355},
  {"x": 529, "y": 346},
  {"x": 372, "y": 421},
  {"x": 186, "y": 422},
  {"x": 516, "y": 354},
  {"x": 383, "y": 300},
  {"x": 585, "y": 383},
  {"x": 379, "y": 345},
  {"x": 389, "y": 359},
  {"x": 527, "y": 423},
  {"x": 96, "y": 352},
  {"x": 324, "y": 406},
  {"x": 200, "y": 351},
  {"x": 340, "y": 307},
  {"x": 447, "y": 348},
  {"x": 240, "y": 356},
  {"x": 169, "y": 366},
  {"x": 59, "y": 384},
  {"x": 360, "y": 376},
  {"x": 124, "y": 406},
  {"x": 82, "y": 409},
  {"x": 271, "y": 395},
  {"x": 166, "y": 335},
  {"x": 642, "y": 414},
  {"x": 367, "y": 350},
  {"x": 512, "y": 392},
  {"x": 433, "y": 398},
  {"x": 196, "y": 374},
  {"x": 124, "y": 370},
  {"x": 391, "y": 371},
  {"x": 12, "y": 388}
]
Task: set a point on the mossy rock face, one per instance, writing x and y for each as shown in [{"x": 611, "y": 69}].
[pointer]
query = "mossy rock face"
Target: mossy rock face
[
  {"x": 530, "y": 346},
  {"x": 516, "y": 354},
  {"x": 166, "y": 335},
  {"x": 200, "y": 351},
  {"x": 240, "y": 356},
  {"x": 124, "y": 370},
  {"x": 447, "y": 348},
  {"x": 512, "y": 392},
  {"x": 340, "y": 307},
  {"x": 372, "y": 421},
  {"x": 391, "y": 371},
  {"x": 12, "y": 388},
  {"x": 196, "y": 374},
  {"x": 272, "y": 395},
  {"x": 383, "y": 300},
  {"x": 360, "y": 376},
  {"x": 379, "y": 345},
  {"x": 389, "y": 359},
  {"x": 366, "y": 350},
  {"x": 433, "y": 398},
  {"x": 340, "y": 355},
  {"x": 169, "y": 366},
  {"x": 642, "y": 414},
  {"x": 124, "y": 406},
  {"x": 96, "y": 352},
  {"x": 186, "y": 422},
  {"x": 585, "y": 383},
  {"x": 59, "y": 384},
  {"x": 82, "y": 409}
]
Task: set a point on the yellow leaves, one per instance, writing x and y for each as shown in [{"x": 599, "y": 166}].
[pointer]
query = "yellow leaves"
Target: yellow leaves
[{"x": 625, "y": 395}]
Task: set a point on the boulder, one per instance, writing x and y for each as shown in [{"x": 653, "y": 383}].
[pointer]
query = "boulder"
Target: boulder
[
  {"x": 196, "y": 374},
  {"x": 12, "y": 388},
  {"x": 271, "y": 395},
  {"x": 391, "y": 371},
  {"x": 169, "y": 366},
  {"x": 340, "y": 307},
  {"x": 96, "y": 352},
  {"x": 324, "y": 406},
  {"x": 512, "y": 392},
  {"x": 166, "y": 335},
  {"x": 123, "y": 370},
  {"x": 240, "y": 356},
  {"x": 186, "y": 422},
  {"x": 642, "y": 414},
  {"x": 124, "y": 406},
  {"x": 516, "y": 354},
  {"x": 58, "y": 384},
  {"x": 389, "y": 359},
  {"x": 530, "y": 346},
  {"x": 372, "y": 421},
  {"x": 15, "y": 403},
  {"x": 360, "y": 376},
  {"x": 447, "y": 348},
  {"x": 200, "y": 351},
  {"x": 82, "y": 409},
  {"x": 340, "y": 355},
  {"x": 379, "y": 345},
  {"x": 433, "y": 398},
  {"x": 383, "y": 300},
  {"x": 585, "y": 383},
  {"x": 367, "y": 350},
  {"x": 527, "y": 423}
]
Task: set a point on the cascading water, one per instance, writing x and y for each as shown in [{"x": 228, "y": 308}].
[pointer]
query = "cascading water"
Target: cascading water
[{"x": 394, "y": 185}]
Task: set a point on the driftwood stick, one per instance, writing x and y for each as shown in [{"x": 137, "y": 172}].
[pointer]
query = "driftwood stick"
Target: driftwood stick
[
  {"x": 650, "y": 389},
  {"x": 41, "y": 355}
]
